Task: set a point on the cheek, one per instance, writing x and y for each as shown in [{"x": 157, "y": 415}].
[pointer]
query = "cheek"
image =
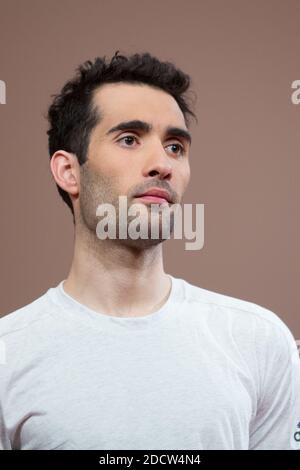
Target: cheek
[
  {"x": 116, "y": 174},
  {"x": 185, "y": 176},
  {"x": 105, "y": 164},
  {"x": 123, "y": 170}
]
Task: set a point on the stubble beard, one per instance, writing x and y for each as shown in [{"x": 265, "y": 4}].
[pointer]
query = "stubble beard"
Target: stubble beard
[{"x": 96, "y": 189}]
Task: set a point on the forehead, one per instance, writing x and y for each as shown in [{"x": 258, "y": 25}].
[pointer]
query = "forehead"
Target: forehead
[{"x": 125, "y": 101}]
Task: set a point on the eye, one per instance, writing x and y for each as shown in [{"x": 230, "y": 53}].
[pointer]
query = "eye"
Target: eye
[
  {"x": 129, "y": 137},
  {"x": 179, "y": 146}
]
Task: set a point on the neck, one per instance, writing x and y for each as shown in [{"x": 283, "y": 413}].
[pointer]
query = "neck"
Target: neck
[{"x": 119, "y": 280}]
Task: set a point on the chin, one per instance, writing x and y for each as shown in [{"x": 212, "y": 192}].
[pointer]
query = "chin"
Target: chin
[{"x": 144, "y": 243}]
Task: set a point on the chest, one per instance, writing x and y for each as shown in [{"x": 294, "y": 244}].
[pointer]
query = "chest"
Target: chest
[{"x": 146, "y": 394}]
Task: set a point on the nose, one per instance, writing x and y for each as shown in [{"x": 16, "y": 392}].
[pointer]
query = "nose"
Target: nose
[{"x": 158, "y": 163}]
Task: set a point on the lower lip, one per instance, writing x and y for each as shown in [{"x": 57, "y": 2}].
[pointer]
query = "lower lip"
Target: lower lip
[{"x": 154, "y": 199}]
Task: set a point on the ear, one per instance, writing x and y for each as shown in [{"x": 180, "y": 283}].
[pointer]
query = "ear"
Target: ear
[{"x": 65, "y": 170}]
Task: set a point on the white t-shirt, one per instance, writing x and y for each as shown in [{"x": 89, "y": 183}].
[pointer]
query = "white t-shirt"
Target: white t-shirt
[{"x": 205, "y": 371}]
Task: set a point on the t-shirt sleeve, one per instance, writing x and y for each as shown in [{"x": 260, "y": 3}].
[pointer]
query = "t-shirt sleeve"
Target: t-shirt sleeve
[
  {"x": 4, "y": 440},
  {"x": 276, "y": 424}
]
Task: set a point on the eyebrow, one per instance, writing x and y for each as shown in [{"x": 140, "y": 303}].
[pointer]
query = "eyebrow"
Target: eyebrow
[{"x": 146, "y": 128}]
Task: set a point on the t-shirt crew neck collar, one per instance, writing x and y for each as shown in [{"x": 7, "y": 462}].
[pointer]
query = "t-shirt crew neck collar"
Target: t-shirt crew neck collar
[{"x": 67, "y": 302}]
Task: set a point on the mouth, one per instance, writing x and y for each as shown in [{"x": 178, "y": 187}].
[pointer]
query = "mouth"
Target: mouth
[
  {"x": 155, "y": 195},
  {"x": 153, "y": 199}
]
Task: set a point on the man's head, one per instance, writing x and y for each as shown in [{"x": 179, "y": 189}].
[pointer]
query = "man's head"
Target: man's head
[{"x": 95, "y": 156}]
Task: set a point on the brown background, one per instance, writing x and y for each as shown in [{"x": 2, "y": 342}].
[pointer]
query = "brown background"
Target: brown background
[{"x": 242, "y": 57}]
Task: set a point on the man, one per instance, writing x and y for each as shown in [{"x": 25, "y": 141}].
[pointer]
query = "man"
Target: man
[{"x": 121, "y": 355}]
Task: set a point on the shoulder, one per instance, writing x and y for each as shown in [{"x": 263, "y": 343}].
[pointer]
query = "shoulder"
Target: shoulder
[
  {"x": 243, "y": 315},
  {"x": 25, "y": 335},
  {"x": 24, "y": 317}
]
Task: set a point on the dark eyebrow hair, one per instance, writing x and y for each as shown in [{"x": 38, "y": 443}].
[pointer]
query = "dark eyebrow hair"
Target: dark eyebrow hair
[{"x": 146, "y": 127}]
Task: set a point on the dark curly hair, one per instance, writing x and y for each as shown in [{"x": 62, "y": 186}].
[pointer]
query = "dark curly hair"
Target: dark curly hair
[{"x": 72, "y": 115}]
